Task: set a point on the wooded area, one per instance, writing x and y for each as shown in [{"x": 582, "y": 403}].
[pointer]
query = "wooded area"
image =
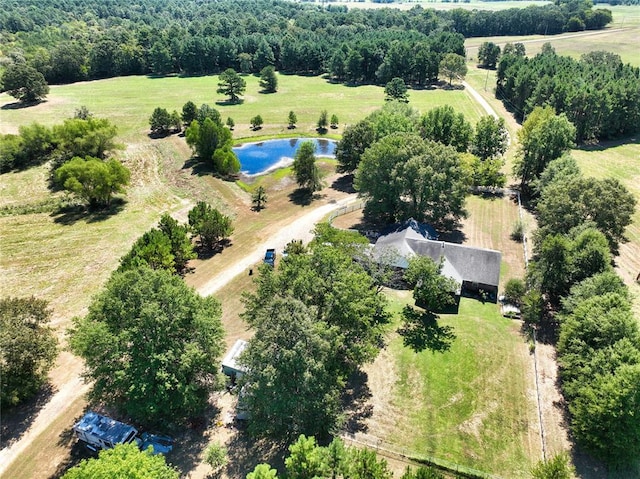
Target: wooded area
[{"x": 77, "y": 40}]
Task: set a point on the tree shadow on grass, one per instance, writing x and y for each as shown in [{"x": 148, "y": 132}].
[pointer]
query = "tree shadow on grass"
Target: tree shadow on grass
[
  {"x": 77, "y": 451},
  {"x": 355, "y": 402},
  {"x": 605, "y": 145},
  {"x": 206, "y": 252},
  {"x": 239, "y": 101},
  {"x": 198, "y": 167},
  {"x": 19, "y": 105},
  {"x": 69, "y": 215},
  {"x": 344, "y": 184},
  {"x": 453, "y": 236},
  {"x": 18, "y": 419},
  {"x": 303, "y": 196},
  {"x": 246, "y": 452},
  {"x": 421, "y": 331}
]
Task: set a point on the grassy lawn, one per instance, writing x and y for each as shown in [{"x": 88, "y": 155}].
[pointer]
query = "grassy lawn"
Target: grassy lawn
[
  {"x": 129, "y": 102},
  {"x": 471, "y": 405}
]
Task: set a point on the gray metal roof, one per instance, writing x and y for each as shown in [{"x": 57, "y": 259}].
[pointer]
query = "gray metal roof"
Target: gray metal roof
[{"x": 460, "y": 262}]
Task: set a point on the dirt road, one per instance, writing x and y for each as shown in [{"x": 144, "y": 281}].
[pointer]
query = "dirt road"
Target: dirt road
[{"x": 298, "y": 229}]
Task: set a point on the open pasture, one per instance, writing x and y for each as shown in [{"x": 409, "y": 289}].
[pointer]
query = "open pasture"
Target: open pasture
[
  {"x": 621, "y": 37},
  {"x": 129, "y": 102}
]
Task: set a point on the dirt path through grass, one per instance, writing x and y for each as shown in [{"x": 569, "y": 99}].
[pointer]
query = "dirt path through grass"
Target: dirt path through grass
[{"x": 299, "y": 229}]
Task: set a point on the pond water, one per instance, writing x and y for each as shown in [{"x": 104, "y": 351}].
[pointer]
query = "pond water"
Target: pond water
[{"x": 259, "y": 158}]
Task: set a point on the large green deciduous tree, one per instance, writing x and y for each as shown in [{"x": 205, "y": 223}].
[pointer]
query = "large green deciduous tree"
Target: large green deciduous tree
[
  {"x": 167, "y": 247},
  {"x": 93, "y": 180},
  {"x": 124, "y": 460},
  {"x": 206, "y": 137},
  {"x": 90, "y": 137},
  {"x": 453, "y": 66},
  {"x": 211, "y": 226},
  {"x": 355, "y": 139},
  {"x": 570, "y": 203},
  {"x": 340, "y": 291},
  {"x": 544, "y": 136},
  {"x": 231, "y": 84},
  {"x": 27, "y": 348},
  {"x": 444, "y": 125},
  {"x": 396, "y": 90},
  {"x": 403, "y": 176},
  {"x": 490, "y": 139},
  {"x": 431, "y": 290},
  {"x": 488, "y": 55},
  {"x": 291, "y": 386},
  {"x": 24, "y": 82},
  {"x": 151, "y": 346},
  {"x": 606, "y": 414},
  {"x": 305, "y": 168}
]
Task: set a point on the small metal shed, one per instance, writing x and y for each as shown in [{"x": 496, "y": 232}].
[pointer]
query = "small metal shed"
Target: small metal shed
[{"x": 230, "y": 366}]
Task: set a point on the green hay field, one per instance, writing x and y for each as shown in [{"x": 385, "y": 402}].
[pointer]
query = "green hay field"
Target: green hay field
[
  {"x": 129, "y": 102},
  {"x": 621, "y": 37}
]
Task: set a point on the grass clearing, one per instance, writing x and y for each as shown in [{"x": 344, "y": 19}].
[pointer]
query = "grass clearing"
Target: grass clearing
[
  {"x": 129, "y": 102},
  {"x": 472, "y": 405},
  {"x": 621, "y": 37}
]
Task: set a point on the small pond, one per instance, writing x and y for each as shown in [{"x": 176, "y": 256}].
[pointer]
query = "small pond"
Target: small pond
[{"x": 259, "y": 158}]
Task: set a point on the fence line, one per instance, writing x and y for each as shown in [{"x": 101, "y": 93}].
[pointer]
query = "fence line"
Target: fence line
[
  {"x": 418, "y": 459},
  {"x": 358, "y": 205},
  {"x": 524, "y": 233}
]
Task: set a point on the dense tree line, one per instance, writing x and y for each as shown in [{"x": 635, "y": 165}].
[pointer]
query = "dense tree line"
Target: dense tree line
[
  {"x": 571, "y": 281},
  {"x": 598, "y": 93},
  {"x": 76, "y": 40}
]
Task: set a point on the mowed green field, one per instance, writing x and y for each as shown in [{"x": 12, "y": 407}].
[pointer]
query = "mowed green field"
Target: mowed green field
[
  {"x": 129, "y": 102},
  {"x": 621, "y": 37},
  {"x": 473, "y": 405}
]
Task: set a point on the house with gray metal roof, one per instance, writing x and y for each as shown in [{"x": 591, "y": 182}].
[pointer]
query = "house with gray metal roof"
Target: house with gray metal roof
[{"x": 474, "y": 269}]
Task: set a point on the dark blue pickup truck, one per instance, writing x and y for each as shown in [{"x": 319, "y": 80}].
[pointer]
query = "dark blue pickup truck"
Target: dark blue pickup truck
[{"x": 270, "y": 257}]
